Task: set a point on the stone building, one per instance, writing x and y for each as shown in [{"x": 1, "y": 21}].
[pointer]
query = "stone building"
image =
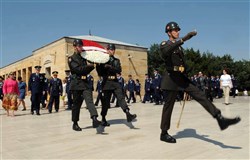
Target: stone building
[{"x": 53, "y": 57}]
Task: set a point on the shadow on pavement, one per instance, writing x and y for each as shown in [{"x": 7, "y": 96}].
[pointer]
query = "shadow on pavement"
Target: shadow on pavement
[{"x": 191, "y": 133}]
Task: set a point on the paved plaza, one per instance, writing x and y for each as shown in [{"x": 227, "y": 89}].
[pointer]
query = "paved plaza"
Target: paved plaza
[{"x": 50, "y": 136}]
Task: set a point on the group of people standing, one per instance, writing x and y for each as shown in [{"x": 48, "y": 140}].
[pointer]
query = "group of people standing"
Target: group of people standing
[
  {"x": 173, "y": 79},
  {"x": 216, "y": 87}
]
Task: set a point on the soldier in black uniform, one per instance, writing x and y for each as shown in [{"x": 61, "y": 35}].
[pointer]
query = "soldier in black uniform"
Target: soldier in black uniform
[
  {"x": 55, "y": 91},
  {"x": 79, "y": 86},
  {"x": 37, "y": 87},
  {"x": 111, "y": 85},
  {"x": 174, "y": 77}
]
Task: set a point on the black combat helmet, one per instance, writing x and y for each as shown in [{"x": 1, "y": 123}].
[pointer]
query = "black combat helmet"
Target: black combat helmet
[
  {"x": 172, "y": 25},
  {"x": 77, "y": 42},
  {"x": 111, "y": 46}
]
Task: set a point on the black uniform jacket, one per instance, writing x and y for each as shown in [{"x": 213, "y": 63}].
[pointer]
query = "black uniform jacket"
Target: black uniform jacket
[
  {"x": 108, "y": 71},
  {"x": 173, "y": 56},
  {"x": 79, "y": 71}
]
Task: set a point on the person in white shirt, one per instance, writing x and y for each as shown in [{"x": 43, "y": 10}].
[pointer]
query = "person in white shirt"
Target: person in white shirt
[
  {"x": 226, "y": 85},
  {"x": 245, "y": 93}
]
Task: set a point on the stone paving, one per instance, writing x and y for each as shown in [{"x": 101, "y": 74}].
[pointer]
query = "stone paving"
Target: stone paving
[{"x": 50, "y": 136}]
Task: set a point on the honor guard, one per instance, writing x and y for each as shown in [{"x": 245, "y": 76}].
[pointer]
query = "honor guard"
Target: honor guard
[
  {"x": 37, "y": 87},
  {"x": 79, "y": 86},
  {"x": 55, "y": 90},
  {"x": 175, "y": 78},
  {"x": 111, "y": 85}
]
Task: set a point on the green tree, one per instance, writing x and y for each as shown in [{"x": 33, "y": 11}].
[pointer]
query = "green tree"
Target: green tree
[
  {"x": 154, "y": 59},
  {"x": 205, "y": 62}
]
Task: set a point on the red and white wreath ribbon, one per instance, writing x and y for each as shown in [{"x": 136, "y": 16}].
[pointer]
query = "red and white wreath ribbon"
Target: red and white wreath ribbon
[{"x": 94, "y": 52}]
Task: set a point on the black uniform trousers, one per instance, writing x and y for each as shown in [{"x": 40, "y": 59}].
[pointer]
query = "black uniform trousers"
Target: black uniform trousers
[
  {"x": 36, "y": 99},
  {"x": 53, "y": 99},
  {"x": 120, "y": 99},
  {"x": 78, "y": 97},
  {"x": 194, "y": 92}
]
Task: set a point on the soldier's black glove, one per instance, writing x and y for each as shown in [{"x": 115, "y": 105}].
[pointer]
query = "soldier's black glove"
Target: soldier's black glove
[{"x": 189, "y": 35}]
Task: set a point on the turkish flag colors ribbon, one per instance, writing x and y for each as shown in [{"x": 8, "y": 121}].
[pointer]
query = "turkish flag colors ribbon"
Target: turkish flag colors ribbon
[{"x": 94, "y": 52}]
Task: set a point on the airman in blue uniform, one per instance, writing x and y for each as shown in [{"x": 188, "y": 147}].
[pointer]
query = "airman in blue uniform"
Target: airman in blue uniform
[
  {"x": 157, "y": 87},
  {"x": 131, "y": 89},
  {"x": 37, "y": 88},
  {"x": 68, "y": 92},
  {"x": 90, "y": 80},
  {"x": 55, "y": 90},
  {"x": 147, "y": 86},
  {"x": 99, "y": 90}
]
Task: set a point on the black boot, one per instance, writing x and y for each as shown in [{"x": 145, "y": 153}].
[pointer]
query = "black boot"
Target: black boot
[
  {"x": 225, "y": 122},
  {"x": 130, "y": 117},
  {"x": 95, "y": 122},
  {"x": 104, "y": 122},
  {"x": 76, "y": 127},
  {"x": 167, "y": 138}
]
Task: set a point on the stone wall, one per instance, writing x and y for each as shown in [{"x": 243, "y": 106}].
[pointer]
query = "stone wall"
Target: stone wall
[{"x": 53, "y": 57}]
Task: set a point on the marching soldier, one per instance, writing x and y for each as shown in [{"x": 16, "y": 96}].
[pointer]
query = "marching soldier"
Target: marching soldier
[
  {"x": 37, "y": 88},
  {"x": 175, "y": 77},
  {"x": 79, "y": 86},
  {"x": 111, "y": 85},
  {"x": 55, "y": 91}
]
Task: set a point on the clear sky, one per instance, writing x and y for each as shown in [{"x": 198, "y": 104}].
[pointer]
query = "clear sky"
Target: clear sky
[{"x": 223, "y": 26}]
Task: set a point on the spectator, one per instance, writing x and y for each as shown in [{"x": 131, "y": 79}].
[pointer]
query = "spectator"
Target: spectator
[
  {"x": 245, "y": 92},
  {"x": 22, "y": 89},
  {"x": 10, "y": 92},
  {"x": 226, "y": 85}
]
